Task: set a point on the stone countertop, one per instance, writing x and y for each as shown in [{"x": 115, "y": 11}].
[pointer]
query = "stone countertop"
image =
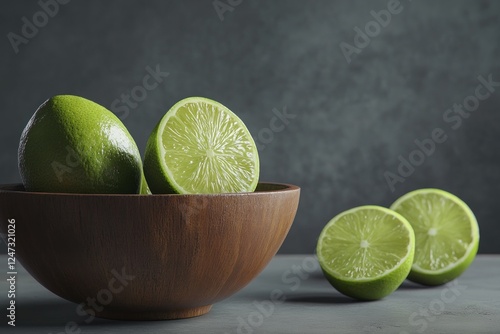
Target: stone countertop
[{"x": 289, "y": 296}]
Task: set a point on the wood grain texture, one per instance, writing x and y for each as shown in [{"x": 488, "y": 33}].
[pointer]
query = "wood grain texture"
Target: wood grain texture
[{"x": 179, "y": 254}]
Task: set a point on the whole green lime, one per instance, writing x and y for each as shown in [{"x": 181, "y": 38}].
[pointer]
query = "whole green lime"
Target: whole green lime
[{"x": 74, "y": 145}]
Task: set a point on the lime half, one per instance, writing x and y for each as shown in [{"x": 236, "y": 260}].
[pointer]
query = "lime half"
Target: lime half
[
  {"x": 446, "y": 232},
  {"x": 366, "y": 252},
  {"x": 200, "y": 146}
]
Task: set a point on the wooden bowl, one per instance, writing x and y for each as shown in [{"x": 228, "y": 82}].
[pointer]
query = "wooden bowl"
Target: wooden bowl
[{"x": 147, "y": 257}]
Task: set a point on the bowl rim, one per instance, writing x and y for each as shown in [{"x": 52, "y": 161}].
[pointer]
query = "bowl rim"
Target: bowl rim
[{"x": 279, "y": 187}]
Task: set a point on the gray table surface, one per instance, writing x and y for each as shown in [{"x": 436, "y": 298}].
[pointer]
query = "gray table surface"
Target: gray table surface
[{"x": 308, "y": 304}]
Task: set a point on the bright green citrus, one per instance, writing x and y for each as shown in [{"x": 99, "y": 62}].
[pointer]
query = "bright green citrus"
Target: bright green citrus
[
  {"x": 200, "y": 146},
  {"x": 446, "y": 231},
  {"x": 74, "y": 145},
  {"x": 144, "y": 186},
  {"x": 366, "y": 252}
]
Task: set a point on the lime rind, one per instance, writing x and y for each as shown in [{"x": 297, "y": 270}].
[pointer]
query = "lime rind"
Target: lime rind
[
  {"x": 74, "y": 145},
  {"x": 386, "y": 252},
  {"x": 458, "y": 249}
]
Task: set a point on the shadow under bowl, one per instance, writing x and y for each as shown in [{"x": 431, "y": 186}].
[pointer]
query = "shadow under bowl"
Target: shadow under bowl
[{"x": 147, "y": 257}]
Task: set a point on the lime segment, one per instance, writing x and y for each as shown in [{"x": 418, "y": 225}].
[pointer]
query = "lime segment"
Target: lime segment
[
  {"x": 366, "y": 252},
  {"x": 200, "y": 146},
  {"x": 446, "y": 231}
]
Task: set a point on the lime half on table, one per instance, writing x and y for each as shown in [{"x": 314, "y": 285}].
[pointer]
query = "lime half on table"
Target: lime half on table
[
  {"x": 200, "y": 146},
  {"x": 446, "y": 232},
  {"x": 366, "y": 252}
]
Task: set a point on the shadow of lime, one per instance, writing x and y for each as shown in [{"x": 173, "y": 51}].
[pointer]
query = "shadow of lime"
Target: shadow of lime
[
  {"x": 321, "y": 299},
  {"x": 409, "y": 285}
]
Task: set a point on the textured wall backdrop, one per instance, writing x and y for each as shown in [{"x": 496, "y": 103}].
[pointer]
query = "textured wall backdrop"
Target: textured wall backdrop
[{"x": 353, "y": 87}]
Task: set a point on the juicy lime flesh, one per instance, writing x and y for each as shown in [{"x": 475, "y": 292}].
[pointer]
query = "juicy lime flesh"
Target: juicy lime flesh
[
  {"x": 364, "y": 244},
  {"x": 442, "y": 228},
  {"x": 206, "y": 149}
]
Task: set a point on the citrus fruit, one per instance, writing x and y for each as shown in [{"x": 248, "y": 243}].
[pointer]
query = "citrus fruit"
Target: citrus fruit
[
  {"x": 144, "y": 186},
  {"x": 446, "y": 234},
  {"x": 74, "y": 145},
  {"x": 200, "y": 146},
  {"x": 366, "y": 252}
]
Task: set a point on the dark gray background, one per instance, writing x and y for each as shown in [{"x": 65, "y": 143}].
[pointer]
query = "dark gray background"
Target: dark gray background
[{"x": 352, "y": 121}]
